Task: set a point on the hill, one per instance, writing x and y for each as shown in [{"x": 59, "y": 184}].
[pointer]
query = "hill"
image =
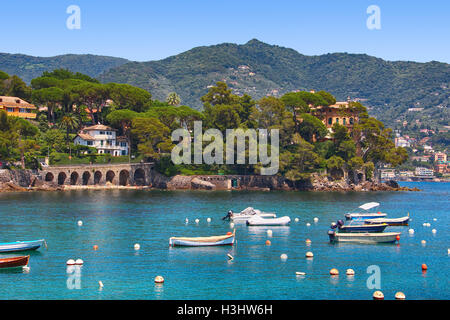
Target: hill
[
  {"x": 29, "y": 67},
  {"x": 388, "y": 88}
]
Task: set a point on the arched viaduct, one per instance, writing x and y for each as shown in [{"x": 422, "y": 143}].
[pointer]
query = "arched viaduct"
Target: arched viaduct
[{"x": 133, "y": 174}]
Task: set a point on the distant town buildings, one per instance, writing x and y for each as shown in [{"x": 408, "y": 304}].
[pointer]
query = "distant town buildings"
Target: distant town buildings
[
  {"x": 424, "y": 172},
  {"x": 104, "y": 139},
  {"x": 339, "y": 113},
  {"x": 17, "y": 107}
]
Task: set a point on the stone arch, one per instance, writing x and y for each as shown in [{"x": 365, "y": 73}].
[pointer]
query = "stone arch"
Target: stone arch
[
  {"x": 97, "y": 177},
  {"x": 124, "y": 177},
  {"x": 49, "y": 177},
  {"x": 110, "y": 176},
  {"x": 61, "y": 178},
  {"x": 139, "y": 177},
  {"x": 74, "y": 178},
  {"x": 85, "y": 178},
  {"x": 360, "y": 176}
]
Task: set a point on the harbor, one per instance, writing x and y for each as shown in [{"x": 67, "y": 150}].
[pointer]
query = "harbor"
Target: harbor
[{"x": 122, "y": 239}]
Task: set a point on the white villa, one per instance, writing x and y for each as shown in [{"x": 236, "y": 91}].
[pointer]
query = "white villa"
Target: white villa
[{"x": 104, "y": 139}]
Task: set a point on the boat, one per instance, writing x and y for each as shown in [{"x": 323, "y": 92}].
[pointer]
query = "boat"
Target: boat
[
  {"x": 403, "y": 221},
  {"x": 359, "y": 227},
  {"x": 366, "y": 215},
  {"x": 16, "y": 262},
  {"x": 227, "y": 239},
  {"x": 246, "y": 214},
  {"x": 21, "y": 245},
  {"x": 382, "y": 237},
  {"x": 260, "y": 221}
]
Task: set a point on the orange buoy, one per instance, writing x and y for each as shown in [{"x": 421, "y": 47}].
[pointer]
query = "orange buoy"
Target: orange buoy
[
  {"x": 95, "y": 247},
  {"x": 397, "y": 238},
  {"x": 379, "y": 212},
  {"x": 334, "y": 272},
  {"x": 159, "y": 279},
  {"x": 229, "y": 233},
  {"x": 378, "y": 295},
  {"x": 268, "y": 243},
  {"x": 308, "y": 241},
  {"x": 424, "y": 267}
]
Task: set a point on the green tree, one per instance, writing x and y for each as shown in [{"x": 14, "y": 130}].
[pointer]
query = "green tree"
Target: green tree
[
  {"x": 311, "y": 128},
  {"x": 173, "y": 99},
  {"x": 70, "y": 123},
  {"x": 152, "y": 136}
]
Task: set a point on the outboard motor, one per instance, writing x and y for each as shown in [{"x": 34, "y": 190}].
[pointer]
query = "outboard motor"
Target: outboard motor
[
  {"x": 340, "y": 223},
  {"x": 228, "y": 216},
  {"x": 331, "y": 234}
]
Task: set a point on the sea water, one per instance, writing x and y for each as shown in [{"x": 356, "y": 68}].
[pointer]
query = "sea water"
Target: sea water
[{"x": 115, "y": 220}]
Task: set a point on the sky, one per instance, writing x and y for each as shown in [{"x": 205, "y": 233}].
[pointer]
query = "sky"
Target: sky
[{"x": 151, "y": 30}]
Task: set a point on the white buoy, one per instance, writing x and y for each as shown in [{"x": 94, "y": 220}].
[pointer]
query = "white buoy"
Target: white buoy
[
  {"x": 308, "y": 224},
  {"x": 231, "y": 225},
  {"x": 434, "y": 219},
  {"x": 70, "y": 262},
  {"x": 299, "y": 273},
  {"x": 433, "y": 231},
  {"x": 424, "y": 224},
  {"x": 269, "y": 233},
  {"x": 350, "y": 272},
  {"x": 230, "y": 256},
  {"x": 316, "y": 220},
  {"x": 448, "y": 251},
  {"x": 208, "y": 220},
  {"x": 80, "y": 223},
  {"x": 197, "y": 221},
  {"x": 333, "y": 224},
  {"x": 309, "y": 254},
  {"x": 400, "y": 296},
  {"x": 159, "y": 279},
  {"x": 79, "y": 261},
  {"x": 137, "y": 246},
  {"x": 284, "y": 256},
  {"x": 186, "y": 221},
  {"x": 296, "y": 219},
  {"x": 26, "y": 268},
  {"x": 411, "y": 231},
  {"x": 100, "y": 284},
  {"x": 423, "y": 242}
]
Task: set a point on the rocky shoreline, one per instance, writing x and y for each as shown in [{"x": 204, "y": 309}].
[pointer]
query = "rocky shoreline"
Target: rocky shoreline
[{"x": 26, "y": 181}]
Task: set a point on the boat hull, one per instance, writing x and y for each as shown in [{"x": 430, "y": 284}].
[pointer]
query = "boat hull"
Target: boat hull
[
  {"x": 245, "y": 217},
  {"x": 202, "y": 241},
  {"x": 355, "y": 216},
  {"x": 258, "y": 221},
  {"x": 369, "y": 238},
  {"x": 404, "y": 221},
  {"x": 16, "y": 262},
  {"x": 21, "y": 246},
  {"x": 363, "y": 228}
]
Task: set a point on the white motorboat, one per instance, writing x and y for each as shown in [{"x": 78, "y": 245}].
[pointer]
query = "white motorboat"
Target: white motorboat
[
  {"x": 372, "y": 238},
  {"x": 366, "y": 215},
  {"x": 248, "y": 213},
  {"x": 260, "y": 221}
]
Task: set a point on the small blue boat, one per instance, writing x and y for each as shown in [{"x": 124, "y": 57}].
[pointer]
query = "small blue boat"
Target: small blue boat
[{"x": 21, "y": 245}]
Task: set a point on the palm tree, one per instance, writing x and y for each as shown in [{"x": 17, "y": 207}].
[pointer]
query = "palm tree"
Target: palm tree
[
  {"x": 173, "y": 99},
  {"x": 69, "y": 122}
]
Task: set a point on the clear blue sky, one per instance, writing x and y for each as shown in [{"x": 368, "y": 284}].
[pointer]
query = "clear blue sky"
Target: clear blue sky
[{"x": 151, "y": 30}]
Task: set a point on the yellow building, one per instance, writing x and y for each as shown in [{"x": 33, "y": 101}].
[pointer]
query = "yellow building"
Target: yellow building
[
  {"x": 17, "y": 107},
  {"x": 340, "y": 113}
]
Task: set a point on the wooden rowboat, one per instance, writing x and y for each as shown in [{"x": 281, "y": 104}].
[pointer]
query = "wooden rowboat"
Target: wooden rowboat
[
  {"x": 227, "y": 239},
  {"x": 403, "y": 221},
  {"x": 21, "y": 245},
  {"x": 16, "y": 262},
  {"x": 383, "y": 237}
]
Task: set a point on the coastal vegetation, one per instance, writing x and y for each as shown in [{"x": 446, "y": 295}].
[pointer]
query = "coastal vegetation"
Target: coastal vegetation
[{"x": 69, "y": 101}]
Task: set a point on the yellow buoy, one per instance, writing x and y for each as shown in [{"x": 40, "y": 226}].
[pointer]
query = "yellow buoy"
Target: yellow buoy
[
  {"x": 95, "y": 247},
  {"x": 159, "y": 279},
  {"x": 378, "y": 295},
  {"x": 268, "y": 243},
  {"x": 334, "y": 272},
  {"x": 400, "y": 296}
]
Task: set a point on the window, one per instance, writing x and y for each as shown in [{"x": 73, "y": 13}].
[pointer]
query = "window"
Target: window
[
  {"x": 10, "y": 109},
  {"x": 344, "y": 121},
  {"x": 101, "y": 142},
  {"x": 89, "y": 143},
  {"x": 330, "y": 120},
  {"x": 337, "y": 120},
  {"x": 124, "y": 152},
  {"x": 102, "y": 132},
  {"x": 351, "y": 120},
  {"x": 23, "y": 110}
]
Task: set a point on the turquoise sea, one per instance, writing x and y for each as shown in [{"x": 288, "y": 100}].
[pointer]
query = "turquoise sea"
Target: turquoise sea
[{"x": 115, "y": 220}]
